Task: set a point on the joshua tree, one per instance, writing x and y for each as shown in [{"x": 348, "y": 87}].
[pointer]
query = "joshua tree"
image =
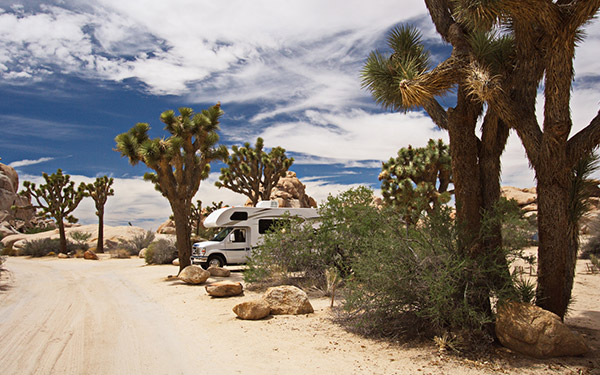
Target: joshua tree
[
  {"x": 56, "y": 198},
  {"x": 543, "y": 36},
  {"x": 417, "y": 179},
  {"x": 253, "y": 172},
  {"x": 180, "y": 161},
  {"x": 100, "y": 190}
]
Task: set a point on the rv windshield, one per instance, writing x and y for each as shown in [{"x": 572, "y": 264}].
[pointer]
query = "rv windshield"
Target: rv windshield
[{"x": 222, "y": 234}]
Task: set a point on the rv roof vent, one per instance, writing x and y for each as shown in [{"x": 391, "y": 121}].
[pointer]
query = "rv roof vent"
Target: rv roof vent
[{"x": 268, "y": 204}]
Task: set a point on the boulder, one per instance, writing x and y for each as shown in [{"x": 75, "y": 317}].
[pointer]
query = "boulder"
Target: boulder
[
  {"x": 224, "y": 289},
  {"x": 168, "y": 227},
  {"x": 530, "y": 330},
  {"x": 219, "y": 271},
  {"x": 194, "y": 275},
  {"x": 287, "y": 300},
  {"x": 89, "y": 254},
  {"x": 252, "y": 310},
  {"x": 523, "y": 197}
]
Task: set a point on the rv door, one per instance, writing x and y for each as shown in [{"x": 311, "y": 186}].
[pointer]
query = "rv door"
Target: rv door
[{"x": 237, "y": 246}]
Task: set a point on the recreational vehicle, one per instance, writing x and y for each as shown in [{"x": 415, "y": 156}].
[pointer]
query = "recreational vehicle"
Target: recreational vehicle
[{"x": 242, "y": 229}]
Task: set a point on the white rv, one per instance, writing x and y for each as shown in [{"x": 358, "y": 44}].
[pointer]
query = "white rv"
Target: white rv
[{"x": 242, "y": 229}]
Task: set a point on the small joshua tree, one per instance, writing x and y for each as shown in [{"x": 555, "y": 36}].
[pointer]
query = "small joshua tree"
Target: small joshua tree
[
  {"x": 417, "y": 179},
  {"x": 254, "y": 172},
  {"x": 100, "y": 190},
  {"x": 57, "y": 198},
  {"x": 180, "y": 162}
]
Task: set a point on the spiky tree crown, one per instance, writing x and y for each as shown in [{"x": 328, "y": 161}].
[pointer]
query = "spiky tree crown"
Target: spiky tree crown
[
  {"x": 100, "y": 190},
  {"x": 252, "y": 171},
  {"x": 183, "y": 159},
  {"x": 58, "y": 197},
  {"x": 417, "y": 179}
]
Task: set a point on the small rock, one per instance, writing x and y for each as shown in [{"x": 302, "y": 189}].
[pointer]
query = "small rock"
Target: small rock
[
  {"x": 194, "y": 275},
  {"x": 287, "y": 300},
  {"x": 62, "y": 256},
  {"x": 218, "y": 271},
  {"x": 176, "y": 262},
  {"x": 252, "y": 310},
  {"x": 224, "y": 289},
  {"x": 530, "y": 330},
  {"x": 90, "y": 255},
  {"x": 142, "y": 253}
]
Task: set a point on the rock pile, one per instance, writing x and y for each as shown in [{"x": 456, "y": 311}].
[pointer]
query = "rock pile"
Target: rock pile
[{"x": 290, "y": 192}]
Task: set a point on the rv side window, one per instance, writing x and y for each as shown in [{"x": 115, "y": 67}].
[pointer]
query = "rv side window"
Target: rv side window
[
  {"x": 264, "y": 225},
  {"x": 239, "y": 215}
]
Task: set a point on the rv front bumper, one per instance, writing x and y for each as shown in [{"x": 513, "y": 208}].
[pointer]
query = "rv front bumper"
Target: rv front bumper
[{"x": 199, "y": 259}]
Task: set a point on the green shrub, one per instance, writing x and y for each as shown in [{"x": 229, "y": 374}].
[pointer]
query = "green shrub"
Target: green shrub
[
  {"x": 161, "y": 252},
  {"x": 41, "y": 247},
  {"x": 296, "y": 252},
  {"x": 35, "y": 230},
  {"x": 137, "y": 242},
  {"x": 592, "y": 246},
  {"x": 80, "y": 238}
]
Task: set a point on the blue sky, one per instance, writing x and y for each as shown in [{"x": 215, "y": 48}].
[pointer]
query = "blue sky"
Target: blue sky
[{"x": 76, "y": 73}]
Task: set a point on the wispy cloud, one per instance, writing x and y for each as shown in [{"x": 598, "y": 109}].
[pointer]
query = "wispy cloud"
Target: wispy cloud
[{"x": 26, "y": 162}]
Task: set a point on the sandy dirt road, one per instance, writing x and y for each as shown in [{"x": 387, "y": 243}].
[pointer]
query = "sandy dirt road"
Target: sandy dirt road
[
  {"x": 115, "y": 316},
  {"x": 76, "y": 317}
]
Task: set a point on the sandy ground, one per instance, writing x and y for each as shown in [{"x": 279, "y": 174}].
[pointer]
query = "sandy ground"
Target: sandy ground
[{"x": 115, "y": 316}]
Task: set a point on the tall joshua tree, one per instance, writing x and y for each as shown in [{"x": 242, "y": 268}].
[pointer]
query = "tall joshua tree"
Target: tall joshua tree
[
  {"x": 179, "y": 162},
  {"x": 544, "y": 34},
  {"x": 100, "y": 190},
  {"x": 57, "y": 198},
  {"x": 254, "y": 172},
  {"x": 403, "y": 80}
]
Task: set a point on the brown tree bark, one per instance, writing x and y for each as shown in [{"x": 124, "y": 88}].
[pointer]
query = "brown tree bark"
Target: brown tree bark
[{"x": 183, "y": 231}]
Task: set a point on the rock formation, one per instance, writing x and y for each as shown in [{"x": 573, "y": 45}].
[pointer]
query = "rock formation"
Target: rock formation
[
  {"x": 290, "y": 192},
  {"x": 11, "y": 221}
]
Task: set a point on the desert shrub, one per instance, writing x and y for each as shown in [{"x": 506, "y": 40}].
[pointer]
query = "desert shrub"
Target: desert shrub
[
  {"x": 35, "y": 230},
  {"x": 41, "y": 247},
  {"x": 161, "y": 252},
  {"x": 137, "y": 242},
  {"x": 80, "y": 238},
  {"x": 301, "y": 252},
  {"x": 416, "y": 281}
]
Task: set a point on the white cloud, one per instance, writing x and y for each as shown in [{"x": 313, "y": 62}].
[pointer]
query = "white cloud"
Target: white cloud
[
  {"x": 26, "y": 162},
  {"x": 352, "y": 136}
]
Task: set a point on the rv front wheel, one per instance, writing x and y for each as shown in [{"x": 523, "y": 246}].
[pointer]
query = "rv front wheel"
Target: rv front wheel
[{"x": 216, "y": 261}]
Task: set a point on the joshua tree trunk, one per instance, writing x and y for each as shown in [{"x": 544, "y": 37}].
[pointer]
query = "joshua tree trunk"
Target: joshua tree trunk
[
  {"x": 555, "y": 273},
  {"x": 100, "y": 244},
  {"x": 181, "y": 210},
  {"x": 63, "y": 236},
  {"x": 465, "y": 171}
]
